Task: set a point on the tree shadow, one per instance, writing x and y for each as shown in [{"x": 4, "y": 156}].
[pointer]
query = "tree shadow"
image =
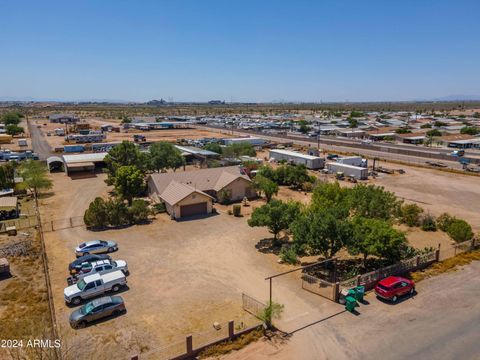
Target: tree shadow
[{"x": 269, "y": 246}]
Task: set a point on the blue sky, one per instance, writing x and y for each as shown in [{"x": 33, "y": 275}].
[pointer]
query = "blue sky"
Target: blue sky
[{"x": 323, "y": 50}]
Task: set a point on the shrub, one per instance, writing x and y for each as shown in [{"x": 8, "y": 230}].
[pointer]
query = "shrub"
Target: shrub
[
  {"x": 159, "y": 208},
  {"x": 307, "y": 187},
  {"x": 117, "y": 212},
  {"x": 428, "y": 223},
  {"x": 444, "y": 221},
  {"x": 459, "y": 230},
  {"x": 237, "y": 210},
  {"x": 288, "y": 255},
  {"x": 410, "y": 214},
  {"x": 138, "y": 212},
  {"x": 96, "y": 214}
]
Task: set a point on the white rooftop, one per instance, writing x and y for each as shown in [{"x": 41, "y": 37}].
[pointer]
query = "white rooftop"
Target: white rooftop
[
  {"x": 78, "y": 158},
  {"x": 294, "y": 153}
]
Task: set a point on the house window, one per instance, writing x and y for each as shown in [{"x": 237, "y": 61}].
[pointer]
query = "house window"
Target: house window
[{"x": 194, "y": 196}]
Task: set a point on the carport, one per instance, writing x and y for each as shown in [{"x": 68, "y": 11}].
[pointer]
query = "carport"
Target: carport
[
  {"x": 83, "y": 162},
  {"x": 55, "y": 163}
]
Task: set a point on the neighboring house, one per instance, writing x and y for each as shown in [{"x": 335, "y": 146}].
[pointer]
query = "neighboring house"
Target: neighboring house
[
  {"x": 63, "y": 118},
  {"x": 190, "y": 193}
]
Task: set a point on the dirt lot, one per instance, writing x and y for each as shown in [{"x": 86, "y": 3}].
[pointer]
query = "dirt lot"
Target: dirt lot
[
  {"x": 184, "y": 275},
  {"x": 153, "y": 135},
  {"x": 437, "y": 191}
]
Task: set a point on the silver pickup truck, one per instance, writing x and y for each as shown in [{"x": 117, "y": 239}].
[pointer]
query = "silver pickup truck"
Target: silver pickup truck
[{"x": 94, "y": 285}]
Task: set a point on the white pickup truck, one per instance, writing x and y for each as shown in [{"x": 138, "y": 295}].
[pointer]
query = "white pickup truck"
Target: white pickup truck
[{"x": 94, "y": 285}]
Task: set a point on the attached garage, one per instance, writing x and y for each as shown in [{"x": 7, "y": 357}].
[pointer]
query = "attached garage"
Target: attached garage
[
  {"x": 194, "y": 209},
  {"x": 183, "y": 201}
]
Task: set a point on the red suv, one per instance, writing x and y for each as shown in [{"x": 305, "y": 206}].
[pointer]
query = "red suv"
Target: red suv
[{"x": 392, "y": 287}]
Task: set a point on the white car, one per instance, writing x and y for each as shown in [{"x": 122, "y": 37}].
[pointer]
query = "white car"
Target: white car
[{"x": 103, "y": 267}]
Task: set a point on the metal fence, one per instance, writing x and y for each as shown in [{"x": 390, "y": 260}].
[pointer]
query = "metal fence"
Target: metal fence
[
  {"x": 20, "y": 224},
  {"x": 251, "y": 305},
  {"x": 459, "y": 248},
  {"x": 370, "y": 279},
  {"x": 319, "y": 286},
  {"x": 60, "y": 224}
]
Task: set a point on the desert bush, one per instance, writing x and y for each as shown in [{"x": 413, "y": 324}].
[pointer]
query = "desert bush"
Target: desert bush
[
  {"x": 117, "y": 212},
  {"x": 138, "y": 212},
  {"x": 288, "y": 255},
  {"x": 237, "y": 210},
  {"x": 444, "y": 221},
  {"x": 410, "y": 214},
  {"x": 159, "y": 208},
  {"x": 428, "y": 223},
  {"x": 459, "y": 230}
]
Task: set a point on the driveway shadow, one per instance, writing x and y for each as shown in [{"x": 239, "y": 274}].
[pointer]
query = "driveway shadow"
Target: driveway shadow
[{"x": 399, "y": 301}]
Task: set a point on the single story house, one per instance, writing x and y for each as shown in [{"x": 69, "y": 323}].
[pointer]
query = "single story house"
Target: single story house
[{"x": 190, "y": 193}]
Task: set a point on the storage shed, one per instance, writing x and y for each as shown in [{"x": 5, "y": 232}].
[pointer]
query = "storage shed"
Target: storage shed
[
  {"x": 357, "y": 172},
  {"x": 8, "y": 207},
  {"x": 310, "y": 161}
]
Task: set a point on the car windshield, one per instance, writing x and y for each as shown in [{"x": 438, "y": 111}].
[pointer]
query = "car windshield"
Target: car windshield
[
  {"x": 81, "y": 284},
  {"x": 87, "y": 308},
  {"x": 103, "y": 242},
  {"x": 383, "y": 287},
  {"x": 82, "y": 245}
]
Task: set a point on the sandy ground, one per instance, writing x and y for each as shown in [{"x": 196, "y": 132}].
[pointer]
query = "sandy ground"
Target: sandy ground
[
  {"x": 154, "y": 135},
  {"x": 415, "y": 328},
  {"x": 437, "y": 192},
  {"x": 184, "y": 275}
]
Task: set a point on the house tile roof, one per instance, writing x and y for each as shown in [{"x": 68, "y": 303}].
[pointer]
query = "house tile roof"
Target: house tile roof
[
  {"x": 203, "y": 180},
  {"x": 176, "y": 192}
]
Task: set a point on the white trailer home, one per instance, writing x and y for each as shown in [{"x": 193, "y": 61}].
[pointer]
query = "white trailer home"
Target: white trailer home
[
  {"x": 357, "y": 172},
  {"x": 310, "y": 161}
]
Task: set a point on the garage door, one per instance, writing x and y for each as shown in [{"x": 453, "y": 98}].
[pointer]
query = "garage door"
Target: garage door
[{"x": 194, "y": 209}]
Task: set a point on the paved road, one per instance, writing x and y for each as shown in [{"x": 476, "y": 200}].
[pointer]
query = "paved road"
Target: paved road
[
  {"x": 39, "y": 142},
  {"x": 441, "y": 322},
  {"x": 340, "y": 145}
]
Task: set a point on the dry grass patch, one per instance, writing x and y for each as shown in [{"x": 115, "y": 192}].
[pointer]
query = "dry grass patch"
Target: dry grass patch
[
  {"x": 447, "y": 265},
  {"x": 232, "y": 345}
]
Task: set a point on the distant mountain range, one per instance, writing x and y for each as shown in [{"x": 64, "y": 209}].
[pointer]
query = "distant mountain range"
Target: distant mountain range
[{"x": 163, "y": 102}]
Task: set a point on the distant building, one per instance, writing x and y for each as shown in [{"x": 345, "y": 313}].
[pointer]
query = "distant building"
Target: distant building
[
  {"x": 63, "y": 118},
  {"x": 311, "y": 162},
  {"x": 216, "y": 102}
]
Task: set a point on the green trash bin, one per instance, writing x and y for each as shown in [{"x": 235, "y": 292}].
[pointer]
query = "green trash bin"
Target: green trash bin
[
  {"x": 352, "y": 292},
  {"x": 359, "y": 293},
  {"x": 350, "y": 303}
]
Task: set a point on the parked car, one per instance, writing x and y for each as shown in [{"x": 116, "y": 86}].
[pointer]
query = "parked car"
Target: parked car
[
  {"x": 76, "y": 265},
  {"x": 97, "y": 309},
  {"x": 94, "y": 285},
  {"x": 4, "y": 266},
  {"x": 393, "y": 287},
  {"x": 98, "y": 267},
  {"x": 96, "y": 247}
]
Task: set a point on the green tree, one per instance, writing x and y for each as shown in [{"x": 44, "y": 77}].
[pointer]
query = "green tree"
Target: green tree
[
  {"x": 124, "y": 154},
  {"x": 11, "y": 118},
  {"x": 117, "y": 212},
  {"x": 129, "y": 182},
  {"x": 433, "y": 133},
  {"x": 426, "y": 126},
  {"x": 265, "y": 186},
  {"x": 216, "y": 148},
  {"x": 165, "y": 156},
  {"x": 7, "y": 175},
  {"x": 238, "y": 149},
  {"x": 459, "y": 230},
  {"x": 96, "y": 214},
  {"x": 372, "y": 201},
  {"x": 12, "y": 129},
  {"x": 275, "y": 215},
  {"x": 353, "y": 123},
  {"x": 323, "y": 231},
  {"x": 410, "y": 214},
  {"x": 470, "y": 130},
  {"x": 403, "y": 131},
  {"x": 330, "y": 195},
  {"x": 35, "y": 176},
  {"x": 304, "y": 128},
  {"x": 375, "y": 237}
]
